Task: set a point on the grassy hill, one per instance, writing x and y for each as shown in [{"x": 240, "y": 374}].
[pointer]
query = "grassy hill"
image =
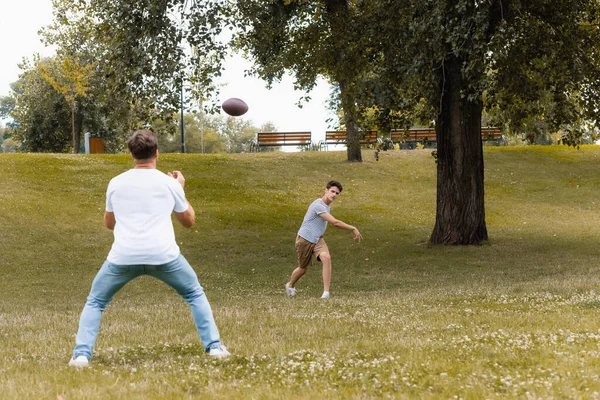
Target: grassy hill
[{"x": 515, "y": 317}]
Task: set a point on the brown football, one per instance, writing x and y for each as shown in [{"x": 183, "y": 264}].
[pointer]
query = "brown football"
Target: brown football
[{"x": 235, "y": 107}]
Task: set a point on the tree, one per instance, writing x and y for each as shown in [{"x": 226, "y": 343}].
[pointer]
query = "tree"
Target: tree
[
  {"x": 71, "y": 80},
  {"x": 144, "y": 53},
  {"x": 309, "y": 39},
  {"x": 549, "y": 67},
  {"x": 239, "y": 134},
  {"x": 110, "y": 110},
  {"x": 40, "y": 115},
  {"x": 458, "y": 54},
  {"x": 6, "y": 107},
  {"x": 143, "y": 45}
]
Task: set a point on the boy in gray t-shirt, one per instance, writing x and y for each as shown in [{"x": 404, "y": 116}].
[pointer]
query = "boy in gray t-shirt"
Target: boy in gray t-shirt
[{"x": 310, "y": 238}]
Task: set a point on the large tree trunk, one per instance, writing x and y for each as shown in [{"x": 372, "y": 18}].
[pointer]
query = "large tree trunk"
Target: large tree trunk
[
  {"x": 352, "y": 130},
  {"x": 460, "y": 214},
  {"x": 337, "y": 12}
]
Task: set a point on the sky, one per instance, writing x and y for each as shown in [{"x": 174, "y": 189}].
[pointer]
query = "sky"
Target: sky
[{"x": 20, "y": 21}]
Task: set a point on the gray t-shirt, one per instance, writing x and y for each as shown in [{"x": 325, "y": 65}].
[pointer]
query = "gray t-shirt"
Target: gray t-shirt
[{"x": 313, "y": 226}]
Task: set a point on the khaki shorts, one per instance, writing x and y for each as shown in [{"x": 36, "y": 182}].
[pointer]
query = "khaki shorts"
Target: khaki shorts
[{"x": 306, "y": 249}]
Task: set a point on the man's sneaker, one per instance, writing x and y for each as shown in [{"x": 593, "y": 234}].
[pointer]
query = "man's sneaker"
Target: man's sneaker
[
  {"x": 79, "y": 361},
  {"x": 219, "y": 352},
  {"x": 325, "y": 295},
  {"x": 290, "y": 290}
]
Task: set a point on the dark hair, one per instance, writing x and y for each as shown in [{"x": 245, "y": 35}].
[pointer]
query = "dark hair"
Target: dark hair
[
  {"x": 142, "y": 144},
  {"x": 338, "y": 185}
]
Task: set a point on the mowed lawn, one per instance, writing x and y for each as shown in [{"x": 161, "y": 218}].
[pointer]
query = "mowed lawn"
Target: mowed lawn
[{"x": 518, "y": 317}]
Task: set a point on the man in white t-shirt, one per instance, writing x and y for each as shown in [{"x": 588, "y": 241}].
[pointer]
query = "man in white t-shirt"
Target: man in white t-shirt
[
  {"x": 310, "y": 240},
  {"x": 139, "y": 204}
]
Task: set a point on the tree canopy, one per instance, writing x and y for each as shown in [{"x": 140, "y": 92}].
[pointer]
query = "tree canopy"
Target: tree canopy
[
  {"x": 310, "y": 39},
  {"x": 71, "y": 79},
  {"x": 41, "y": 115},
  {"x": 463, "y": 56},
  {"x": 146, "y": 49}
]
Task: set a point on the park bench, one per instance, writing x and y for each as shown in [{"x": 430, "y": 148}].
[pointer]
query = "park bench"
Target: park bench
[
  {"x": 341, "y": 137},
  {"x": 491, "y": 134},
  {"x": 417, "y": 135},
  {"x": 427, "y": 135},
  {"x": 264, "y": 139}
]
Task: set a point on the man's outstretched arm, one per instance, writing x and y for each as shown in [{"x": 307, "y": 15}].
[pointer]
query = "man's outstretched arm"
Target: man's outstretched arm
[{"x": 342, "y": 225}]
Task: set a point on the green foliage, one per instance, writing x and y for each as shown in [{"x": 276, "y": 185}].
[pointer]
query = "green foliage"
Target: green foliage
[
  {"x": 514, "y": 318},
  {"x": 456, "y": 55},
  {"x": 527, "y": 61},
  {"x": 142, "y": 46},
  {"x": 239, "y": 133},
  {"x": 543, "y": 63},
  {"x": 42, "y": 117},
  {"x": 71, "y": 79},
  {"x": 68, "y": 77},
  {"x": 310, "y": 39},
  {"x": 111, "y": 110},
  {"x": 8, "y": 103},
  {"x": 139, "y": 60}
]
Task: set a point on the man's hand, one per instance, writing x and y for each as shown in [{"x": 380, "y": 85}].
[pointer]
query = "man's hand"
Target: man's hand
[
  {"x": 357, "y": 235},
  {"x": 179, "y": 176}
]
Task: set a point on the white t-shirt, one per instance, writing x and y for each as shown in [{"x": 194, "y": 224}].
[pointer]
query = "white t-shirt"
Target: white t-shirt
[{"x": 142, "y": 201}]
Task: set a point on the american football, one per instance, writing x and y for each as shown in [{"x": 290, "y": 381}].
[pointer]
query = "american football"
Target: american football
[{"x": 235, "y": 107}]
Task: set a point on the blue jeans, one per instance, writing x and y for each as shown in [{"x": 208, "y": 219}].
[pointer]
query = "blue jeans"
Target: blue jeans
[{"x": 111, "y": 278}]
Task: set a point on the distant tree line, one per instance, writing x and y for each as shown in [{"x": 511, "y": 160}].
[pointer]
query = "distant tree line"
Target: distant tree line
[{"x": 44, "y": 120}]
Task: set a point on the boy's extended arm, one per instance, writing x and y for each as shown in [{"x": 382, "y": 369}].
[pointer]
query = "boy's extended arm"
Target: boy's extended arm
[{"x": 341, "y": 224}]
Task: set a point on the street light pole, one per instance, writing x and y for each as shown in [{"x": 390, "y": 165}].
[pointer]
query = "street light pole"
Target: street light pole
[{"x": 181, "y": 122}]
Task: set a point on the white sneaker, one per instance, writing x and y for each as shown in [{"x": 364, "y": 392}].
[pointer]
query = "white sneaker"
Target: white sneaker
[
  {"x": 325, "y": 295},
  {"x": 79, "y": 362},
  {"x": 219, "y": 352},
  {"x": 290, "y": 290}
]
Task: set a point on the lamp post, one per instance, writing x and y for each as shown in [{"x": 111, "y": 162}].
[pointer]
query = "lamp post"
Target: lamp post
[{"x": 181, "y": 122}]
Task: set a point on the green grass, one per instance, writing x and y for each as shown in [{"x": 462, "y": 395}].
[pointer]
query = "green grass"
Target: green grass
[{"x": 514, "y": 318}]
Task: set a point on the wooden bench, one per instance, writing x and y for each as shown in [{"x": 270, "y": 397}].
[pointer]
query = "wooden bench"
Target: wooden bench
[
  {"x": 282, "y": 139},
  {"x": 341, "y": 137},
  {"x": 414, "y": 135},
  {"x": 491, "y": 134},
  {"x": 427, "y": 135}
]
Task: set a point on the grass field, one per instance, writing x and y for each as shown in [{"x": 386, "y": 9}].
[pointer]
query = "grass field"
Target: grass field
[{"x": 517, "y": 317}]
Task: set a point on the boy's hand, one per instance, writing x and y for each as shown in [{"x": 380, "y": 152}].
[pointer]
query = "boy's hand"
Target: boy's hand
[{"x": 357, "y": 235}]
